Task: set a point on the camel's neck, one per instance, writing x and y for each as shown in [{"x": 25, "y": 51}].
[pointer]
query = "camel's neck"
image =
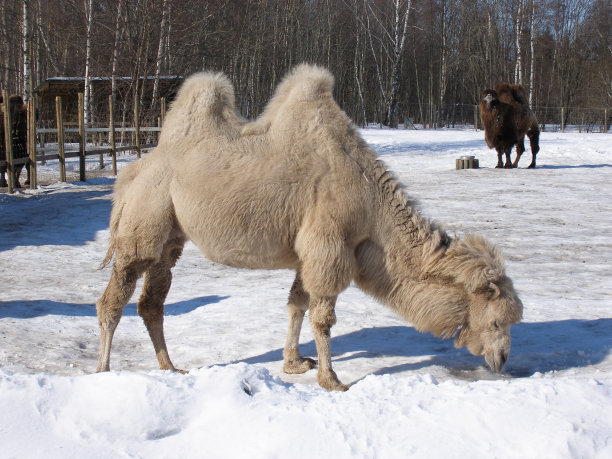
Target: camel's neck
[{"x": 395, "y": 266}]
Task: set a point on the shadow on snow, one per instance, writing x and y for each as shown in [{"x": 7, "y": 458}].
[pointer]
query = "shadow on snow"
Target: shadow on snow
[
  {"x": 39, "y": 308},
  {"x": 64, "y": 217},
  {"x": 536, "y": 348}
]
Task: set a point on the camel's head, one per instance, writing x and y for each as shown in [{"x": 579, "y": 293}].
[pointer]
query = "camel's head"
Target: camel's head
[
  {"x": 486, "y": 331},
  {"x": 488, "y": 97},
  {"x": 490, "y": 303}
]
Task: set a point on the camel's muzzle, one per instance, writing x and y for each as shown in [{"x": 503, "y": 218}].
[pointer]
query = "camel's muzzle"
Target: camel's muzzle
[{"x": 496, "y": 360}]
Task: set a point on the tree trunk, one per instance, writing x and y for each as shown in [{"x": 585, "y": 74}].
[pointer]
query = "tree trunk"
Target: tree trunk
[
  {"x": 87, "y": 97},
  {"x": 158, "y": 61},
  {"x": 26, "y": 50},
  {"x": 118, "y": 37},
  {"x": 518, "y": 72},
  {"x": 532, "y": 52}
]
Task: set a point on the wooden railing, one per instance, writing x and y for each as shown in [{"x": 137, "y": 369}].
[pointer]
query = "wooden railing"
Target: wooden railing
[{"x": 38, "y": 154}]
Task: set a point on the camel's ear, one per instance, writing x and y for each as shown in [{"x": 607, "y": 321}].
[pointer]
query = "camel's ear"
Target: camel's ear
[{"x": 495, "y": 291}]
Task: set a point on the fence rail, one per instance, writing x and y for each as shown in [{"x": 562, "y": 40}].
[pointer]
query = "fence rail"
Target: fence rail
[{"x": 39, "y": 137}]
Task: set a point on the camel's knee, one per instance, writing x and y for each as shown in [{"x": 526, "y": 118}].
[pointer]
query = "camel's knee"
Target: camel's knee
[
  {"x": 323, "y": 314},
  {"x": 298, "y": 297},
  {"x": 328, "y": 274},
  {"x": 118, "y": 292}
]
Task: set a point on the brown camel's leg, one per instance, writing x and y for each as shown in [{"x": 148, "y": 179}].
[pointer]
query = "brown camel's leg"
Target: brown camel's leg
[
  {"x": 110, "y": 306},
  {"x": 298, "y": 303},
  {"x": 534, "y": 142},
  {"x": 322, "y": 318},
  {"x": 500, "y": 163},
  {"x": 520, "y": 149},
  {"x": 151, "y": 303},
  {"x": 508, "y": 164}
]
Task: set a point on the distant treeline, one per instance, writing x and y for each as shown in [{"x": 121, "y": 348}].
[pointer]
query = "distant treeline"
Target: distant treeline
[{"x": 391, "y": 58}]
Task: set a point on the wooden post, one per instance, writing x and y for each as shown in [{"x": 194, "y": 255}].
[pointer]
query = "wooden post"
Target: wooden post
[
  {"x": 8, "y": 141},
  {"x": 163, "y": 110},
  {"x": 60, "y": 137},
  {"x": 562, "y": 119},
  {"x": 476, "y": 117},
  {"x": 32, "y": 142},
  {"x": 98, "y": 142},
  {"x": 82, "y": 140},
  {"x": 605, "y": 120},
  {"x": 136, "y": 126},
  {"x": 163, "y": 116},
  {"x": 111, "y": 133}
]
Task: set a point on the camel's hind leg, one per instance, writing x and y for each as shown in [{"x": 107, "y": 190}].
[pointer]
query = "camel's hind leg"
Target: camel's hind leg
[
  {"x": 298, "y": 303},
  {"x": 110, "y": 305},
  {"x": 534, "y": 142},
  {"x": 151, "y": 303}
]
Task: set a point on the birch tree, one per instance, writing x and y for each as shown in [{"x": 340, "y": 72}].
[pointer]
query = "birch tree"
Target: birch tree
[
  {"x": 391, "y": 39},
  {"x": 160, "y": 54},
  {"x": 89, "y": 13},
  {"x": 119, "y": 28},
  {"x": 518, "y": 70},
  {"x": 531, "y": 51},
  {"x": 26, "y": 51}
]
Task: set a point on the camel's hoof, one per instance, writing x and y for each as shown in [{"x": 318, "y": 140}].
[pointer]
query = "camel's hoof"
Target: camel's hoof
[
  {"x": 330, "y": 382},
  {"x": 531, "y": 166},
  {"x": 499, "y": 166},
  {"x": 299, "y": 366},
  {"x": 175, "y": 370},
  {"x": 335, "y": 386}
]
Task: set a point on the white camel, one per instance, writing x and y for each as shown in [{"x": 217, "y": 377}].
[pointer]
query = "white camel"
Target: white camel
[{"x": 298, "y": 188}]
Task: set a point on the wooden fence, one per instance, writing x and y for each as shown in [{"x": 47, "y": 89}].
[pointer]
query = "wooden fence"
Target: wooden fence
[{"x": 38, "y": 153}]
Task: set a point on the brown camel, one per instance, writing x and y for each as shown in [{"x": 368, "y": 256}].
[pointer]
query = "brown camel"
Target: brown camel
[
  {"x": 506, "y": 117},
  {"x": 298, "y": 189}
]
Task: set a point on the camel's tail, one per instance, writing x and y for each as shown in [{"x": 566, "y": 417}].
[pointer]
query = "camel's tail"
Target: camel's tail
[{"x": 127, "y": 176}]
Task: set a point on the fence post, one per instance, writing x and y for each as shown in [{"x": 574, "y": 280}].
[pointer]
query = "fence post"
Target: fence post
[
  {"x": 60, "y": 137},
  {"x": 163, "y": 110},
  {"x": 32, "y": 142},
  {"x": 111, "y": 132},
  {"x": 605, "y": 120},
  {"x": 476, "y": 117},
  {"x": 82, "y": 140},
  {"x": 162, "y": 116},
  {"x": 8, "y": 141},
  {"x": 562, "y": 119},
  {"x": 136, "y": 126}
]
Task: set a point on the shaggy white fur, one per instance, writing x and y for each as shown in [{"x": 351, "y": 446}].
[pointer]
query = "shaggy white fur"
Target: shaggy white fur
[{"x": 297, "y": 188}]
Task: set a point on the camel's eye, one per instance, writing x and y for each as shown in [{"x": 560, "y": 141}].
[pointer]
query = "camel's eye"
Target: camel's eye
[{"x": 496, "y": 325}]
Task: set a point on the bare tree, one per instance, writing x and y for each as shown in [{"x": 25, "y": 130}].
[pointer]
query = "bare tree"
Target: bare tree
[
  {"x": 89, "y": 13},
  {"x": 26, "y": 51}
]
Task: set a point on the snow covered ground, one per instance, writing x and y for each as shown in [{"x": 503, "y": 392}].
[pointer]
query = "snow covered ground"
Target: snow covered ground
[{"x": 412, "y": 395}]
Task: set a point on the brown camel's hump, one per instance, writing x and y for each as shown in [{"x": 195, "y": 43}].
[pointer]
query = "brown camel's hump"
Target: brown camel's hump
[{"x": 511, "y": 94}]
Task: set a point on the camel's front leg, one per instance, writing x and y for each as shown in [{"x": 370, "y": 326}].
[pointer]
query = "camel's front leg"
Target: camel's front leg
[
  {"x": 298, "y": 303},
  {"x": 322, "y": 318},
  {"x": 520, "y": 149},
  {"x": 500, "y": 162},
  {"x": 508, "y": 164}
]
